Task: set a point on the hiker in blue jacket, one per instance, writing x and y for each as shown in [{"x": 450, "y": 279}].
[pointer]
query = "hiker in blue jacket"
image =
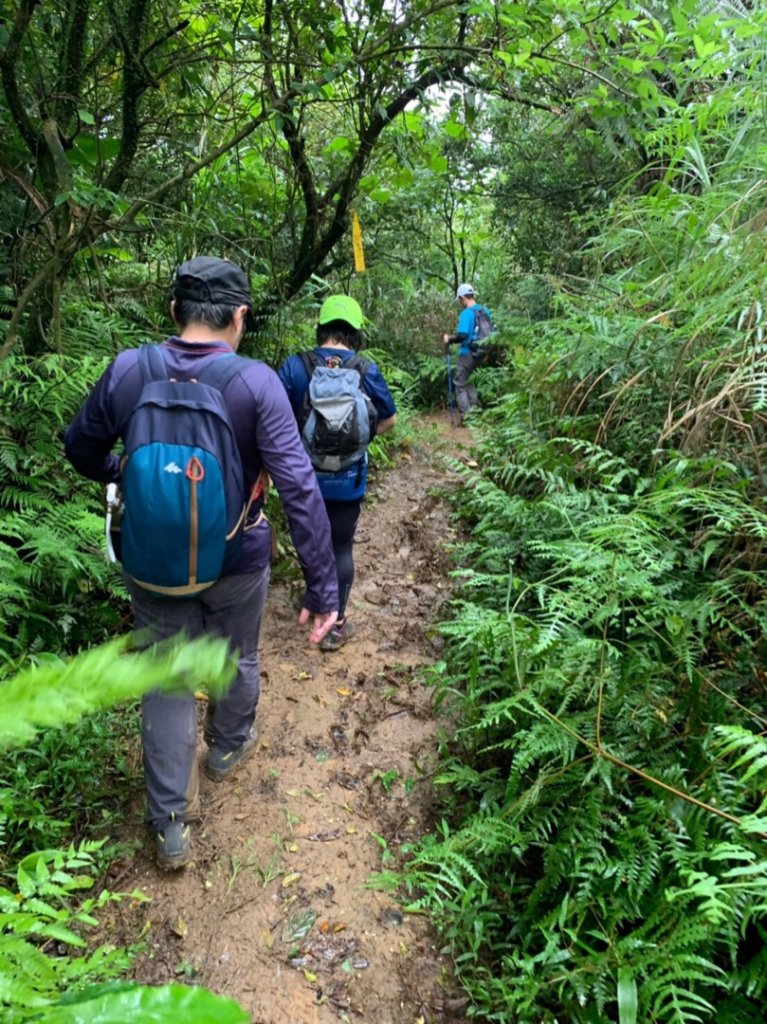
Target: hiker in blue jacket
[
  {"x": 339, "y": 337},
  {"x": 211, "y": 306},
  {"x": 467, "y": 362}
]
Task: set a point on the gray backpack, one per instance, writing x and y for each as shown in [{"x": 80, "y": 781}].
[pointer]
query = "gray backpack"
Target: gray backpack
[
  {"x": 483, "y": 328},
  {"x": 337, "y": 420}
]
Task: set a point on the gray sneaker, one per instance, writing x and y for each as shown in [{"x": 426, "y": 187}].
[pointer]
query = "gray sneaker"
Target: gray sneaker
[
  {"x": 337, "y": 637},
  {"x": 220, "y": 763},
  {"x": 173, "y": 845}
]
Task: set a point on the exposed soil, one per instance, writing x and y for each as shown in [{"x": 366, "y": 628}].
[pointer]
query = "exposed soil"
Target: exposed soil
[{"x": 276, "y": 910}]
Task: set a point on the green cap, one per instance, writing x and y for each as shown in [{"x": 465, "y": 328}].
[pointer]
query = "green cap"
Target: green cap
[{"x": 341, "y": 307}]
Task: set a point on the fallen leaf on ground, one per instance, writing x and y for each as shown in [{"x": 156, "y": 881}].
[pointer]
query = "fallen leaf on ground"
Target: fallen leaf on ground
[
  {"x": 326, "y": 837},
  {"x": 298, "y": 925}
]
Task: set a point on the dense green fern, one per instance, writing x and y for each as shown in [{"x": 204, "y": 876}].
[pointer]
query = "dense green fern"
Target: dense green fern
[
  {"x": 58, "y": 590},
  {"x": 601, "y": 856}
]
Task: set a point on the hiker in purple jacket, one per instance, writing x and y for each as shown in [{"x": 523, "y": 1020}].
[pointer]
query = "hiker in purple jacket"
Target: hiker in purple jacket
[{"x": 211, "y": 307}]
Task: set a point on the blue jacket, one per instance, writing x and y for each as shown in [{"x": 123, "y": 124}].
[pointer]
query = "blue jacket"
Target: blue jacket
[
  {"x": 348, "y": 484},
  {"x": 267, "y": 438}
]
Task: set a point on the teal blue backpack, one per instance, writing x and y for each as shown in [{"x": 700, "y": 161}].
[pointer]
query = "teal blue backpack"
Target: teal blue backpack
[{"x": 182, "y": 481}]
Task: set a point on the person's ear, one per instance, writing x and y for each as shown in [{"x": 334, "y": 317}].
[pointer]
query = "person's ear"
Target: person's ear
[
  {"x": 173, "y": 311},
  {"x": 239, "y": 323}
]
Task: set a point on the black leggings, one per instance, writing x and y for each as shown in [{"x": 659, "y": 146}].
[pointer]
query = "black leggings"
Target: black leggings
[{"x": 343, "y": 516}]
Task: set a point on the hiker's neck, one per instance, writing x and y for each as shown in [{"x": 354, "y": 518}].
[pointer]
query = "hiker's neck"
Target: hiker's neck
[
  {"x": 332, "y": 343},
  {"x": 201, "y": 334}
]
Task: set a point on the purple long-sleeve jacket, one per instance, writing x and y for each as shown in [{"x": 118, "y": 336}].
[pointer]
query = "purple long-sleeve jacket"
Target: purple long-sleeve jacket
[{"x": 267, "y": 438}]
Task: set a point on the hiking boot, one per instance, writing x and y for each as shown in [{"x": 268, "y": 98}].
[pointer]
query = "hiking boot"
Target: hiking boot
[
  {"x": 337, "y": 636},
  {"x": 173, "y": 845},
  {"x": 219, "y": 763}
]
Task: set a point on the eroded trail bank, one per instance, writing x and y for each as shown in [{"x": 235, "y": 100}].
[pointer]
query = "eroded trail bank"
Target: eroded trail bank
[{"x": 275, "y": 911}]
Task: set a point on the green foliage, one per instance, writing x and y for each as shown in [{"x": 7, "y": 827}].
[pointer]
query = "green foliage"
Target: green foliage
[
  {"x": 600, "y": 854},
  {"x": 56, "y": 588},
  {"x": 116, "y": 1004},
  {"x": 39, "y": 983},
  {"x": 59, "y": 693},
  {"x": 64, "y": 782},
  {"x": 68, "y": 782},
  {"x": 592, "y": 648},
  {"x": 36, "y": 918},
  {"x": 600, "y": 857},
  {"x": 556, "y": 180},
  {"x": 41, "y": 919}
]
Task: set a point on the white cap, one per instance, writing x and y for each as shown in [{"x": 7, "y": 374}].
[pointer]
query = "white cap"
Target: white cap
[{"x": 464, "y": 291}]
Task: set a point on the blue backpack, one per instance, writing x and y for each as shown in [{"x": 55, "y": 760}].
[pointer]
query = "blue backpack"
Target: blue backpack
[
  {"x": 337, "y": 420},
  {"x": 182, "y": 480}
]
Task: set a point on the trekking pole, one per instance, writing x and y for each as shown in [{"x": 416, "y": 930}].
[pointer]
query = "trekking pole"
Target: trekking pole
[{"x": 450, "y": 403}]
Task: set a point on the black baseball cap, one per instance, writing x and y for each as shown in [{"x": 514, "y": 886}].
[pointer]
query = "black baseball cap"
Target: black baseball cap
[{"x": 210, "y": 279}]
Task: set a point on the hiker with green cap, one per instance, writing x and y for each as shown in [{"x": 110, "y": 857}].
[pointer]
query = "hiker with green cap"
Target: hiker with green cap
[{"x": 341, "y": 402}]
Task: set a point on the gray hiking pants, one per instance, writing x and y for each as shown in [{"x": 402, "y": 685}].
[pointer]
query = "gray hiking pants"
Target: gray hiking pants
[
  {"x": 231, "y": 608},
  {"x": 465, "y": 392}
]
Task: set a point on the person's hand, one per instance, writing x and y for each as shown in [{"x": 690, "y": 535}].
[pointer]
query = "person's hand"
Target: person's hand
[
  {"x": 445, "y": 339},
  {"x": 323, "y": 623}
]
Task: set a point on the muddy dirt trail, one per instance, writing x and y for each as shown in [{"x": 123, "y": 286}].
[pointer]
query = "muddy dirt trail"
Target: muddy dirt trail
[{"x": 276, "y": 910}]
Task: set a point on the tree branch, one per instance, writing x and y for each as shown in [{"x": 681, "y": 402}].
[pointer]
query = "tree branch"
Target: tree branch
[
  {"x": 190, "y": 170},
  {"x": 345, "y": 187},
  {"x": 42, "y": 275},
  {"x": 70, "y": 74},
  {"x": 136, "y": 81},
  {"x": 8, "y": 60}
]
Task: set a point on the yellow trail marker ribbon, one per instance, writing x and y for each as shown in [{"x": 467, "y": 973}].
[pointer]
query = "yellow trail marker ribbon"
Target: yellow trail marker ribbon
[{"x": 359, "y": 252}]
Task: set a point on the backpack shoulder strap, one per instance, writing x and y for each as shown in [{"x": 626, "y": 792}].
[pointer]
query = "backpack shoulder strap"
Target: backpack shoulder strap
[
  {"x": 360, "y": 364},
  {"x": 152, "y": 364},
  {"x": 311, "y": 361},
  {"x": 220, "y": 371},
  {"x": 484, "y": 311}
]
